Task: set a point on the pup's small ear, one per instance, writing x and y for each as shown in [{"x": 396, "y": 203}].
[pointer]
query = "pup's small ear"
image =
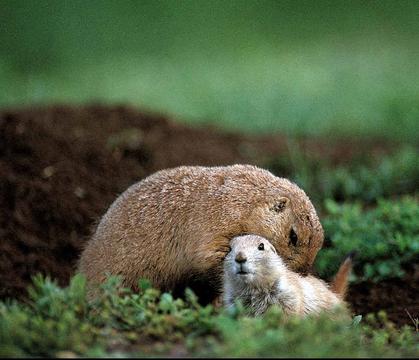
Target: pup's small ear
[
  {"x": 273, "y": 249},
  {"x": 281, "y": 204}
]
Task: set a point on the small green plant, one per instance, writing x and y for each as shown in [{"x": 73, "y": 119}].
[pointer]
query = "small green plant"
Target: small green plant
[
  {"x": 385, "y": 238},
  {"x": 58, "y": 322}
]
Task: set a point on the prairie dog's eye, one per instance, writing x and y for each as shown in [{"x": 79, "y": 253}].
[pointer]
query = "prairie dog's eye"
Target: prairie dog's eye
[
  {"x": 293, "y": 238},
  {"x": 261, "y": 246}
]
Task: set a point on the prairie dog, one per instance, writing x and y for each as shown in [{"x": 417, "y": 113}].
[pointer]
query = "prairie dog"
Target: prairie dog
[
  {"x": 174, "y": 227},
  {"x": 257, "y": 275}
]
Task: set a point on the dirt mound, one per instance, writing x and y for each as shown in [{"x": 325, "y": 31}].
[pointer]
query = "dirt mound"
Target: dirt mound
[{"x": 61, "y": 167}]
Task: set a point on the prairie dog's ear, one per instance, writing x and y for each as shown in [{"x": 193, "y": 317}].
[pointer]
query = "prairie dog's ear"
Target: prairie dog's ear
[
  {"x": 273, "y": 249},
  {"x": 280, "y": 204}
]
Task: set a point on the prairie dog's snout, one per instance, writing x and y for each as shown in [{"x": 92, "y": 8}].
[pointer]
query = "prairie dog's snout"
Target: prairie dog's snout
[
  {"x": 240, "y": 258},
  {"x": 241, "y": 265}
]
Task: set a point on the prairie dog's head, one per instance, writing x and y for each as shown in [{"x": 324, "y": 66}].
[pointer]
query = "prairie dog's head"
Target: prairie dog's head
[
  {"x": 284, "y": 215},
  {"x": 252, "y": 261}
]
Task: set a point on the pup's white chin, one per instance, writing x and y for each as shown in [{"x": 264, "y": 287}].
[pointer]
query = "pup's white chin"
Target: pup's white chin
[{"x": 245, "y": 277}]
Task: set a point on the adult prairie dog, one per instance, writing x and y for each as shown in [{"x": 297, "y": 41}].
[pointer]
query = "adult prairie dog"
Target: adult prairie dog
[
  {"x": 174, "y": 227},
  {"x": 255, "y": 274}
]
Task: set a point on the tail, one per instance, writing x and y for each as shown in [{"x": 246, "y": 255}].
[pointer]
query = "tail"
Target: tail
[{"x": 339, "y": 284}]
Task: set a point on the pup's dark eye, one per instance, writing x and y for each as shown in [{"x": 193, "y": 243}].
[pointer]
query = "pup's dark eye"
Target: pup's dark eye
[
  {"x": 293, "y": 238},
  {"x": 261, "y": 246}
]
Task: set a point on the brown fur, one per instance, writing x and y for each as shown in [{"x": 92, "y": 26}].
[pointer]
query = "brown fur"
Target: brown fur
[{"x": 174, "y": 227}]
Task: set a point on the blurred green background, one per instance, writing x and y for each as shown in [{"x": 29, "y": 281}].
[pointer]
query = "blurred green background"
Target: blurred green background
[{"x": 300, "y": 67}]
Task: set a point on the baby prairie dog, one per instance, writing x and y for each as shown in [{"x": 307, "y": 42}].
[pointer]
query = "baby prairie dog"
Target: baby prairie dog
[{"x": 257, "y": 275}]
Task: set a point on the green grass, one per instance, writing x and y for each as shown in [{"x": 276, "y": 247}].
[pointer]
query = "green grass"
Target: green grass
[
  {"x": 59, "y": 321},
  {"x": 315, "y": 68}
]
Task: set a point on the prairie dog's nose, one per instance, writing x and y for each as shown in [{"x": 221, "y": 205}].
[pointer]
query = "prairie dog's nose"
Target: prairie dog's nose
[{"x": 240, "y": 258}]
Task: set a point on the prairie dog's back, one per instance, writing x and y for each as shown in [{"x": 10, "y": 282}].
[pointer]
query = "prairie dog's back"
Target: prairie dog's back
[{"x": 256, "y": 274}]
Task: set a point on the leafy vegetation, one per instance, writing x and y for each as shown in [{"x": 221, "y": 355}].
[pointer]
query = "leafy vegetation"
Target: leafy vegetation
[
  {"x": 385, "y": 238},
  {"x": 59, "y": 322},
  {"x": 364, "y": 180}
]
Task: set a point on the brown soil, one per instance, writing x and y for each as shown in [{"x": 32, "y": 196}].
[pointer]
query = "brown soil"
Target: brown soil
[
  {"x": 398, "y": 297},
  {"x": 61, "y": 167}
]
